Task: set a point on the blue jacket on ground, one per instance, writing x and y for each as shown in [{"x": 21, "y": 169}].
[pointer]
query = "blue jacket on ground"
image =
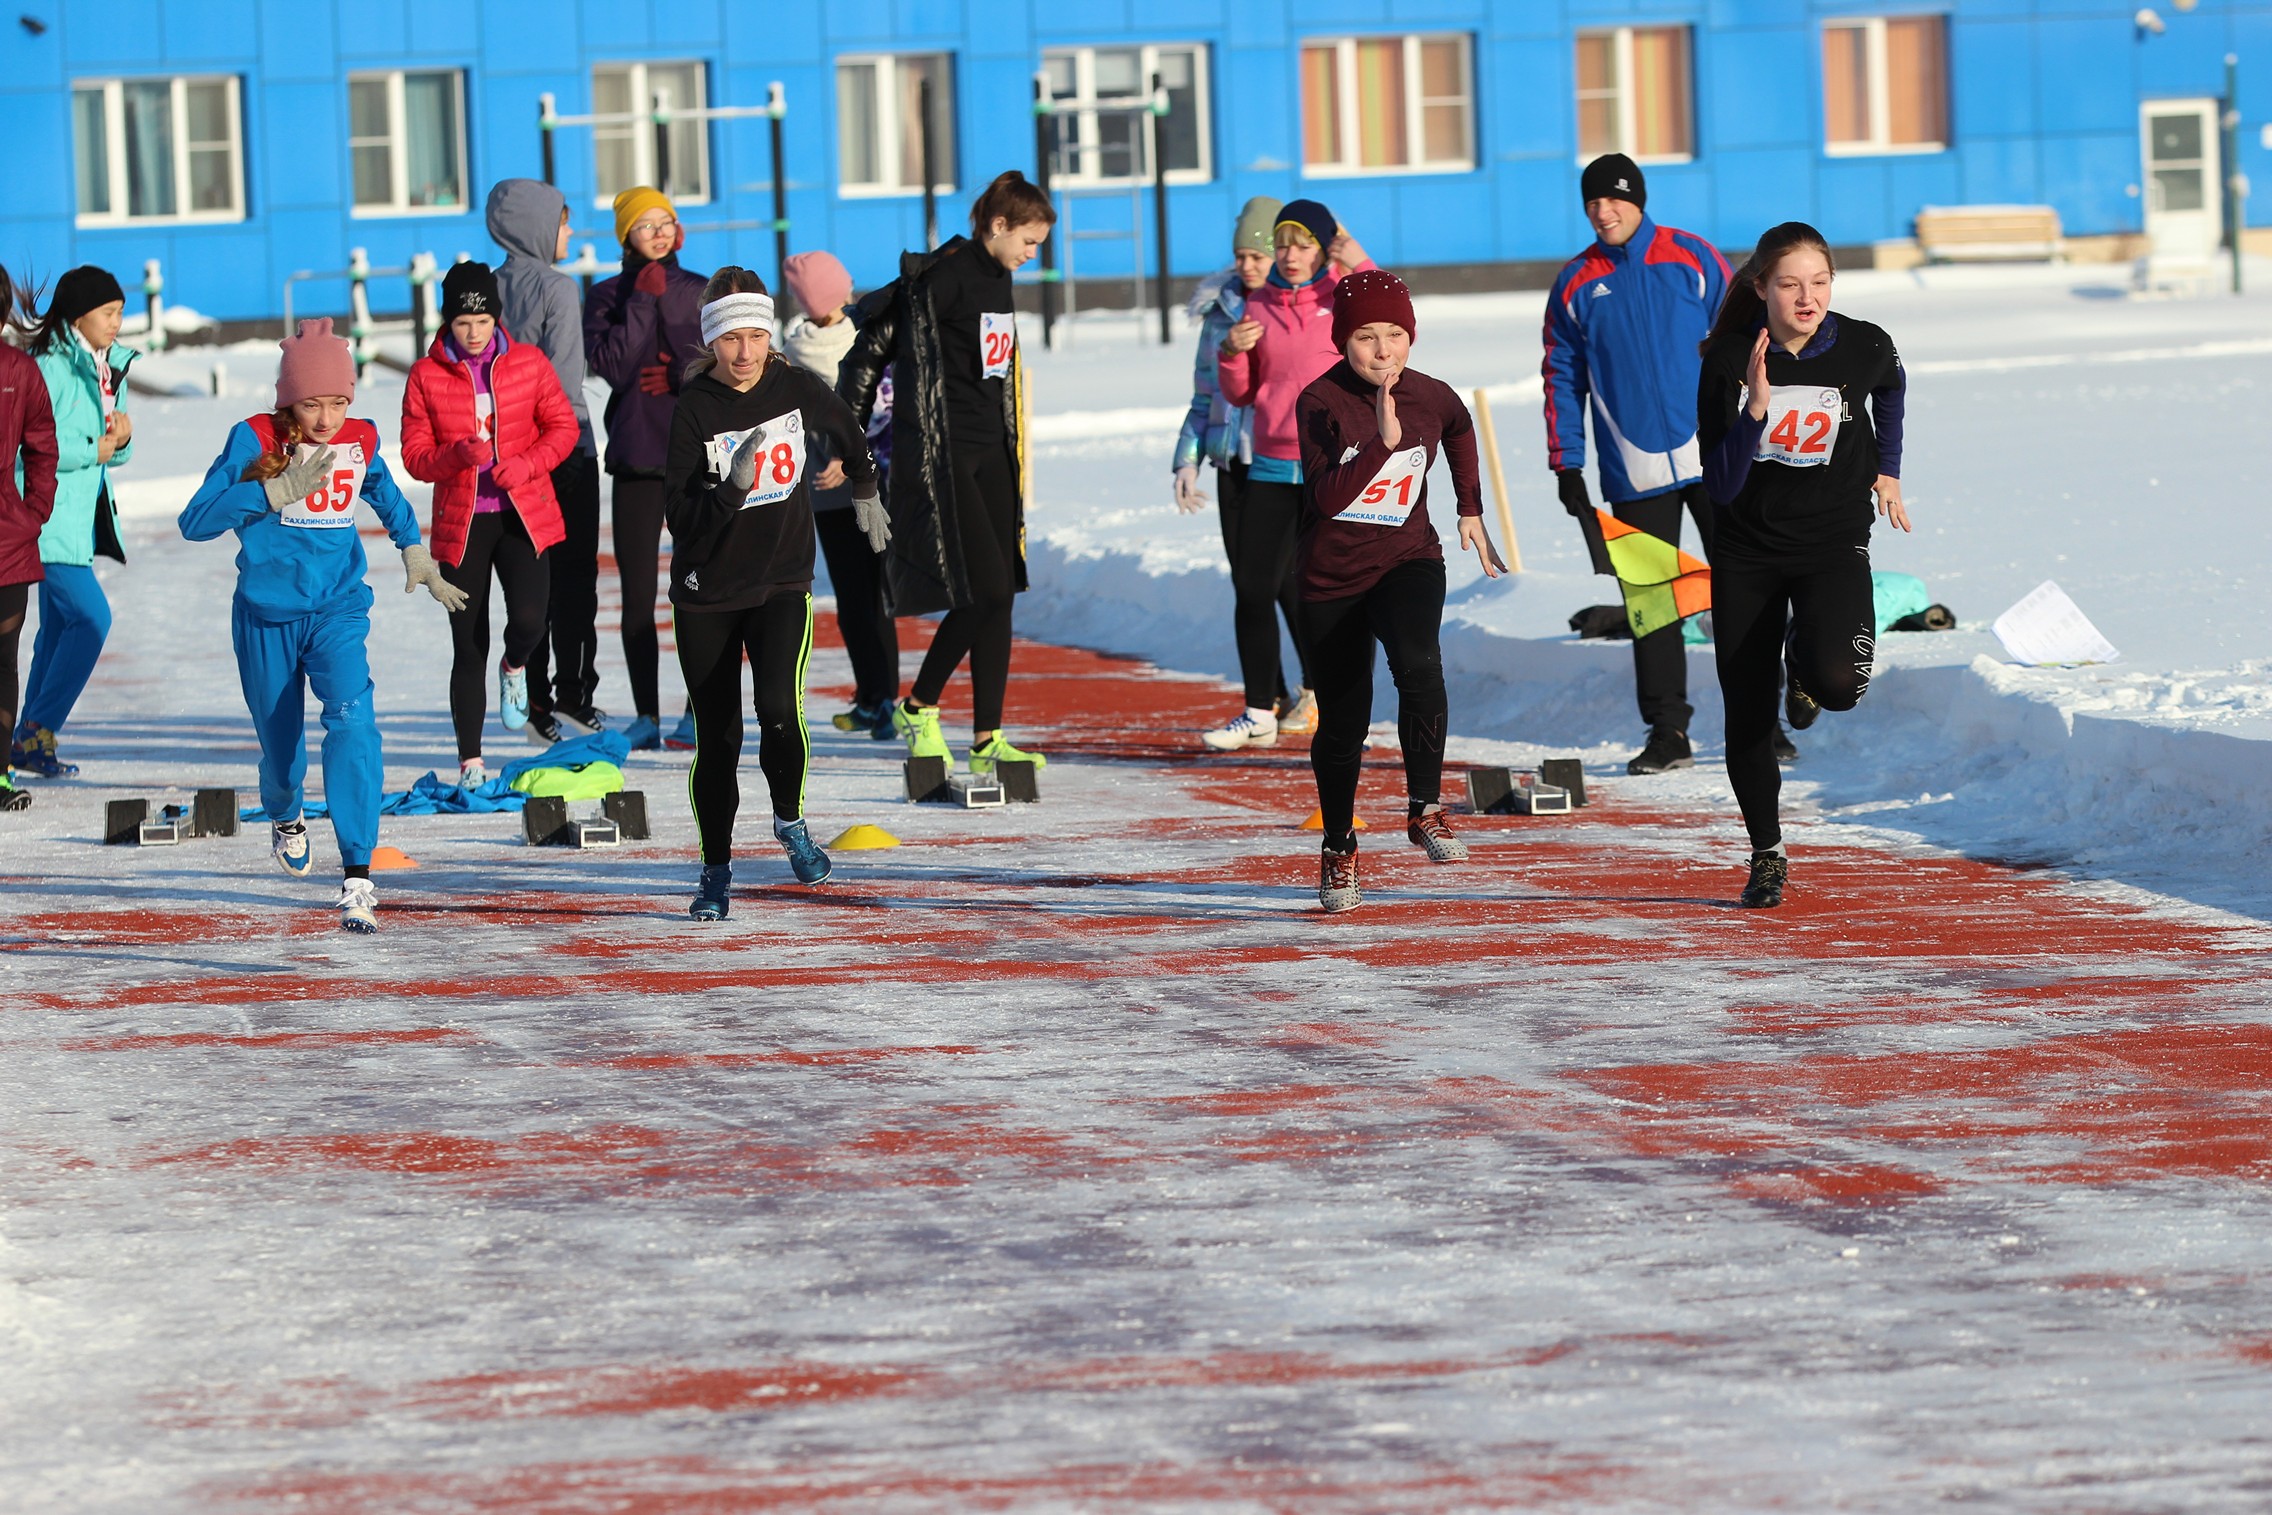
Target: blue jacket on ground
[
  {"x": 286, "y": 572},
  {"x": 1624, "y": 328}
]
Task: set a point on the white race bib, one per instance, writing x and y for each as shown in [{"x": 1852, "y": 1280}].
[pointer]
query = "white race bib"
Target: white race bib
[
  {"x": 1802, "y": 425},
  {"x": 332, "y": 507},
  {"x": 1389, "y": 499},
  {"x": 780, "y": 459},
  {"x": 997, "y": 339}
]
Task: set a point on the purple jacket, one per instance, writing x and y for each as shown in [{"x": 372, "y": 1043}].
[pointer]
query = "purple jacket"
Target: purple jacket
[{"x": 624, "y": 331}]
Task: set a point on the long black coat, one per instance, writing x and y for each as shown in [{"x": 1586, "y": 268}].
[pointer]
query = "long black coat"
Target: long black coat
[{"x": 899, "y": 331}]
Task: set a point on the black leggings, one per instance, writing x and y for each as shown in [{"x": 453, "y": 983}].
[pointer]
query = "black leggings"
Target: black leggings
[
  {"x": 779, "y": 637},
  {"x": 1404, "y": 612},
  {"x": 1660, "y": 659},
  {"x": 570, "y": 644},
  {"x": 496, "y": 542},
  {"x": 13, "y": 599},
  {"x": 986, "y": 506},
  {"x": 1824, "y": 610},
  {"x": 1261, "y": 529},
  {"x": 638, "y": 510},
  {"x": 871, "y": 636}
]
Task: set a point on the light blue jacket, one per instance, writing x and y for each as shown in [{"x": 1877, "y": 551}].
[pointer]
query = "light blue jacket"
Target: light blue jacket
[
  {"x": 1213, "y": 431},
  {"x": 77, "y": 398}
]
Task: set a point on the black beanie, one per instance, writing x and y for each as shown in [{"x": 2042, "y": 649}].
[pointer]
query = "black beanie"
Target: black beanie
[
  {"x": 83, "y": 289},
  {"x": 470, "y": 289},
  {"x": 1613, "y": 176},
  {"x": 1312, "y": 217}
]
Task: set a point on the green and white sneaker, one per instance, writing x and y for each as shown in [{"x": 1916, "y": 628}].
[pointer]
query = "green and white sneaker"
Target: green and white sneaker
[
  {"x": 999, "y": 750},
  {"x": 12, "y": 798},
  {"x": 921, "y": 729}
]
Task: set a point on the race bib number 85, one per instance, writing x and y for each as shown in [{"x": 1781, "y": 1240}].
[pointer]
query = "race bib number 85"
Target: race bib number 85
[
  {"x": 780, "y": 459},
  {"x": 1802, "y": 425},
  {"x": 331, "y": 508},
  {"x": 1389, "y": 499},
  {"x": 997, "y": 339}
]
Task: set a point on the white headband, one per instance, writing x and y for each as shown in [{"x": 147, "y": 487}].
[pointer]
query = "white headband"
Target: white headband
[{"x": 733, "y": 312}]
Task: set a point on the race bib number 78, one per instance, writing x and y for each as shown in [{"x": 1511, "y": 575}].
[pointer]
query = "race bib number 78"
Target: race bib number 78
[
  {"x": 1802, "y": 425},
  {"x": 780, "y": 459},
  {"x": 331, "y": 507}
]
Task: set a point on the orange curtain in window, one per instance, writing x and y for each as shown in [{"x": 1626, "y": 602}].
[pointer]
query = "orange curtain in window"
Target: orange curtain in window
[
  {"x": 1845, "y": 84},
  {"x": 1660, "y": 92},
  {"x": 1380, "y": 103},
  {"x": 1321, "y": 105},
  {"x": 1916, "y": 80},
  {"x": 1597, "y": 93}
]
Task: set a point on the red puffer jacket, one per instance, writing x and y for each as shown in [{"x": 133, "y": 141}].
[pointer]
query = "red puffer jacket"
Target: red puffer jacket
[
  {"x": 27, "y": 441},
  {"x": 535, "y": 430}
]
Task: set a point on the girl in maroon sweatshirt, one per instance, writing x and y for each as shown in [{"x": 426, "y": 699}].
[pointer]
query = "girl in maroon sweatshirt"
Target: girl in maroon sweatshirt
[{"x": 1372, "y": 567}]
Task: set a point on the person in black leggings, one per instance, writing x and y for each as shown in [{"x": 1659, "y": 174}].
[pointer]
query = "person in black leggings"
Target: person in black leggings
[
  {"x": 1799, "y": 411},
  {"x": 497, "y": 543}
]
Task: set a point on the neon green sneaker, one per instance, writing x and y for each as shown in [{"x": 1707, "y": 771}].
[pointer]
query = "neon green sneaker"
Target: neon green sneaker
[
  {"x": 999, "y": 750},
  {"x": 921, "y": 729},
  {"x": 12, "y": 798}
]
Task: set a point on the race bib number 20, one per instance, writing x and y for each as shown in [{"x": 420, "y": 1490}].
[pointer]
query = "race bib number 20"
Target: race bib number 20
[
  {"x": 1389, "y": 499},
  {"x": 997, "y": 339},
  {"x": 1802, "y": 425},
  {"x": 332, "y": 507}
]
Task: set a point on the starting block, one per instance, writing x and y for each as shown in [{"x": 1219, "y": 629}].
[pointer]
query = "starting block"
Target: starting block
[
  {"x": 1565, "y": 773},
  {"x": 129, "y": 823},
  {"x": 545, "y": 821},
  {"x": 929, "y": 781},
  {"x": 1514, "y": 791}
]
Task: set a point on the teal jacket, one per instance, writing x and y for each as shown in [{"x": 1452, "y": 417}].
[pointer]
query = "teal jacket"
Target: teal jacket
[{"x": 73, "y": 533}]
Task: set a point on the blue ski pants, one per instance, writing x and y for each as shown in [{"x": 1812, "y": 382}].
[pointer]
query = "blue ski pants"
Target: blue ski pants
[
  {"x": 326, "y": 650},
  {"x": 74, "y": 622}
]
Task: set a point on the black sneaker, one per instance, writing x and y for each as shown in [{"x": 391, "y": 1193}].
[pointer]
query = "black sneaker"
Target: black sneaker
[
  {"x": 1786, "y": 751},
  {"x": 544, "y": 728},
  {"x": 1667, "y": 749},
  {"x": 1770, "y": 871},
  {"x": 582, "y": 721},
  {"x": 1799, "y": 707}
]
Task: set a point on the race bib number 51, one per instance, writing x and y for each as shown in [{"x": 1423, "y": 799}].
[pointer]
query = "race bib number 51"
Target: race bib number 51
[
  {"x": 1802, "y": 425},
  {"x": 1389, "y": 499},
  {"x": 332, "y": 507},
  {"x": 997, "y": 339},
  {"x": 780, "y": 458}
]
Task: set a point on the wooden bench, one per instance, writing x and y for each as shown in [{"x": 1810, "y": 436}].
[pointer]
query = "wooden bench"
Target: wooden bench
[{"x": 1974, "y": 233}]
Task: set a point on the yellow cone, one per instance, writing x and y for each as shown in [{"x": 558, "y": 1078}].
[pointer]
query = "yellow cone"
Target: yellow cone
[
  {"x": 384, "y": 858},
  {"x": 864, "y": 839},
  {"x": 1316, "y": 822}
]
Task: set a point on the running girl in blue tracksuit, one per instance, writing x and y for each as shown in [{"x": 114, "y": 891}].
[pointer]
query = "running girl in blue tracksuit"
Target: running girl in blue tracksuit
[{"x": 287, "y": 484}]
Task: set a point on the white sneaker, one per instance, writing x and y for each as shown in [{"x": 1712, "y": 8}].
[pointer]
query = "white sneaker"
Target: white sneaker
[
  {"x": 359, "y": 906},
  {"x": 472, "y": 773},
  {"x": 288, "y": 844},
  {"x": 1300, "y": 718},
  {"x": 1250, "y": 728}
]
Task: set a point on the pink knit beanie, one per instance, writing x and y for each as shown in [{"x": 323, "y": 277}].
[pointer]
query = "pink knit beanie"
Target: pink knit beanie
[
  {"x": 819, "y": 283},
  {"x": 315, "y": 363}
]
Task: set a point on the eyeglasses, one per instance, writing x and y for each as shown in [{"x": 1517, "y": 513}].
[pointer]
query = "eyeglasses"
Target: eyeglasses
[{"x": 649, "y": 228}]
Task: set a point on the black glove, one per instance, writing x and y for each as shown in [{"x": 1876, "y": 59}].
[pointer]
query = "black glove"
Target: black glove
[{"x": 1570, "y": 484}]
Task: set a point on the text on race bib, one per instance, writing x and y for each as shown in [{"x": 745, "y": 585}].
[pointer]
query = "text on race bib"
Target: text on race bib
[
  {"x": 1389, "y": 499},
  {"x": 1802, "y": 425},
  {"x": 332, "y": 507},
  {"x": 780, "y": 459},
  {"x": 997, "y": 340}
]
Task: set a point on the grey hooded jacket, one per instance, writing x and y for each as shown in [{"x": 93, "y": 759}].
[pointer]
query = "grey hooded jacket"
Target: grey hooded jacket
[{"x": 541, "y": 306}]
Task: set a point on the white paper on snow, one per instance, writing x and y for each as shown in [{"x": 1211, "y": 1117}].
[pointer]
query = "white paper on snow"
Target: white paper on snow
[{"x": 2046, "y": 628}]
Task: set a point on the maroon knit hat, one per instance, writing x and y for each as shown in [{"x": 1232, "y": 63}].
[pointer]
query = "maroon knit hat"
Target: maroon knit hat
[
  {"x": 315, "y": 363},
  {"x": 1374, "y": 295}
]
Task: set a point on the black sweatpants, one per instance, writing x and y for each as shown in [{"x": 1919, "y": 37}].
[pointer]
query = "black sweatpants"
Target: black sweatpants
[
  {"x": 1404, "y": 613},
  {"x": 564, "y": 669},
  {"x": 986, "y": 505},
  {"x": 871, "y": 636},
  {"x": 638, "y": 515},
  {"x": 1262, "y": 525},
  {"x": 496, "y": 543},
  {"x": 1823, "y": 610},
  {"x": 778, "y": 636},
  {"x": 1660, "y": 659},
  {"x": 13, "y": 599}
]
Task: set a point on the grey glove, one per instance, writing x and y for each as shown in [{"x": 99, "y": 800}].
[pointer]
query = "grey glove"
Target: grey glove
[
  {"x": 418, "y": 568},
  {"x": 301, "y": 477},
  {"x": 741, "y": 473},
  {"x": 872, "y": 518}
]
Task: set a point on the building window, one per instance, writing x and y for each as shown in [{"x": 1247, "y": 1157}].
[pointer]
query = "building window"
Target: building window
[
  {"x": 1885, "y": 84},
  {"x": 626, "y": 149},
  {"x": 1635, "y": 95},
  {"x": 1387, "y": 105},
  {"x": 879, "y": 123},
  {"x": 1109, "y": 147},
  {"x": 406, "y": 138},
  {"x": 158, "y": 149}
]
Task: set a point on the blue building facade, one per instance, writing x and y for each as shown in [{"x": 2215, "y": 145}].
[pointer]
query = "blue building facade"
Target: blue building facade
[{"x": 239, "y": 140}]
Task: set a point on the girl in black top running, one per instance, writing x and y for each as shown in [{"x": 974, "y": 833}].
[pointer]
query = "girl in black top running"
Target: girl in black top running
[{"x": 1793, "y": 456}]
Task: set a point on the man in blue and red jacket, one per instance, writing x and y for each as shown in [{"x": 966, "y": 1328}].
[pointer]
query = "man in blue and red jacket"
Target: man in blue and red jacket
[{"x": 1624, "y": 325}]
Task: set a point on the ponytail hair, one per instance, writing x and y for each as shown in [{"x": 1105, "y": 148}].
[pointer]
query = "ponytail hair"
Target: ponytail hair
[
  {"x": 1017, "y": 200},
  {"x": 286, "y": 425},
  {"x": 1741, "y": 310},
  {"x": 19, "y": 307}
]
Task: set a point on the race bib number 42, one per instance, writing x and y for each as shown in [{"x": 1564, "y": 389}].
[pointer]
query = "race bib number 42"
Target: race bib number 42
[
  {"x": 332, "y": 507},
  {"x": 997, "y": 339},
  {"x": 1389, "y": 499},
  {"x": 1802, "y": 425},
  {"x": 780, "y": 458}
]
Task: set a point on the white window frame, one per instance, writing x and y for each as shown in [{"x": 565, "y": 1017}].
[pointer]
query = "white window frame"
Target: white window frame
[
  {"x": 1628, "y": 121},
  {"x": 643, "y": 129},
  {"x": 1880, "y": 102},
  {"x": 114, "y": 131},
  {"x": 1415, "y": 108},
  {"x": 887, "y": 127},
  {"x": 1085, "y": 96},
  {"x": 398, "y": 148}
]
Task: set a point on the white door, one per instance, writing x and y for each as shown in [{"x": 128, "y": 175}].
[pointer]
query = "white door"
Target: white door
[{"x": 2184, "y": 205}]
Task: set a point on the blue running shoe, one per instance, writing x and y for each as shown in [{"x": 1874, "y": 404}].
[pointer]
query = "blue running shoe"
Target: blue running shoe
[
  {"x": 806, "y": 860},
  {"x": 712, "y": 893},
  {"x": 681, "y": 738},
  {"x": 644, "y": 734},
  {"x": 512, "y": 696},
  {"x": 288, "y": 842},
  {"x": 34, "y": 751}
]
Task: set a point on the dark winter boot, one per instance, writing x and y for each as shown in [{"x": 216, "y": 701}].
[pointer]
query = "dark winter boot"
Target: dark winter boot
[
  {"x": 1799, "y": 707},
  {"x": 1786, "y": 751},
  {"x": 1770, "y": 871},
  {"x": 1667, "y": 749}
]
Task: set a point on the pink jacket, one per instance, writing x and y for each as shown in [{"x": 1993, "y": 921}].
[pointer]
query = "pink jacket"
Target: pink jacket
[{"x": 1296, "y": 347}]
